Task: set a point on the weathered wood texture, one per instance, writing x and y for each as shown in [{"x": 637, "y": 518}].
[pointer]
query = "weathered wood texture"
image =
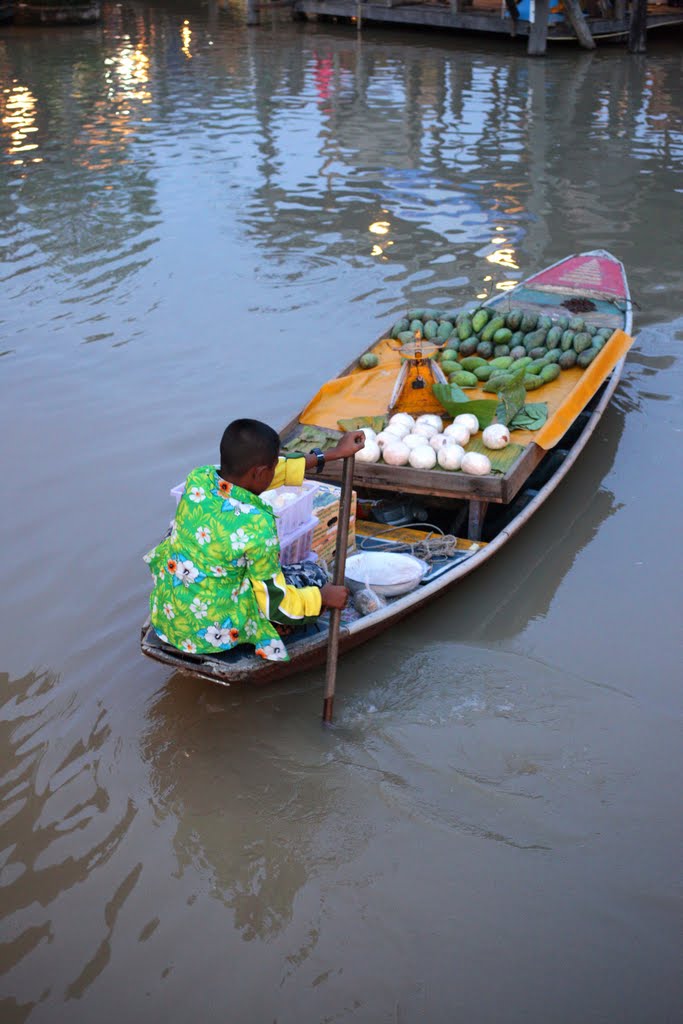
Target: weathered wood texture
[
  {"x": 538, "y": 36},
  {"x": 579, "y": 24},
  {"x": 637, "y": 36}
]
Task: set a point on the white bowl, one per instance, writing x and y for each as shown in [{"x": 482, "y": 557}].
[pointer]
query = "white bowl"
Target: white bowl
[{"x": 389, "y": 573}]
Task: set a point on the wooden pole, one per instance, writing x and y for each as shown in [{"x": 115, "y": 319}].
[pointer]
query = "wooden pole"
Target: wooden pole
[
  {"x": 338, "y": 580},
  {"x": 253, "y": 13},
  {"x": 579, "y": 24},
  {"x": 637, "y": 36},
  {"x": 538, "y": 36}
]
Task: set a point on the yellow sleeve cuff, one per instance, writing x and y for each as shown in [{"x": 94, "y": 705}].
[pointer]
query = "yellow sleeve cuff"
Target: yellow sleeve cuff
[{"x": 289, "y": 472}]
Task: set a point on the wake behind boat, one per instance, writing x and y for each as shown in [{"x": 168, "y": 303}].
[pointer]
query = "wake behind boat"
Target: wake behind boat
[{"x": 572, "y": 321}]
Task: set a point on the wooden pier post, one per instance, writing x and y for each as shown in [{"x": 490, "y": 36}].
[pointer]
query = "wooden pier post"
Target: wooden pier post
[
  {"x": 253, "y": 13},
  {"x": 579, "y": 24},
  {"x": 538, "y": 36},
  {"x": 637, "y": 36}
]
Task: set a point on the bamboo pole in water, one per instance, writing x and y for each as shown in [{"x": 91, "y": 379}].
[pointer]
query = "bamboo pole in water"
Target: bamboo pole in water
[{"x": 339, "y": 570}]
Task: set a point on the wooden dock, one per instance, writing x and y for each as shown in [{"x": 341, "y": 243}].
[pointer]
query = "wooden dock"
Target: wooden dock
[{"x": 541, "y": 21}]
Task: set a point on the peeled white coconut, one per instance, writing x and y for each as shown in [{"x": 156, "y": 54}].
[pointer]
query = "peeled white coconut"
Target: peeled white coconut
[
  {"x": 384, "y": 436},
  {"x": 469, "y": 420},
  {"x": 415, "y": 440},
  {"x": 458, "y": 432},
  {"x": 423, "y": 457},
  {"x": 370, "y": 453},
  {"x": 432, "y": 419},
  {"x": 403, "y": 417},
  {"x": 396, "y": 453},
  {"x": 440, "y": 441},
  {"x": 370, "y": 434},
  {"x": 426, "y": 429},
  {"x": 450, "y": 456},
  {"x": 496, "y": 435},
  {"x": 397, "y": 429},
  {"x": 475, "y": 464}
]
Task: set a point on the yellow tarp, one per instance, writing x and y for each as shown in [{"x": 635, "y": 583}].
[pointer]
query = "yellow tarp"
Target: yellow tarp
[{"x": 368, "y": 392}]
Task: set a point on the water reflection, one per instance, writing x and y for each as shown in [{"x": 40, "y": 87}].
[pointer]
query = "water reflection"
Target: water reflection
[{"x": 248, "y": 815}]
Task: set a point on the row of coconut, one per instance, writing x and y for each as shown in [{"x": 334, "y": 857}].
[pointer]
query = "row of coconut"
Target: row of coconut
[{"x": 424, "y": 443}]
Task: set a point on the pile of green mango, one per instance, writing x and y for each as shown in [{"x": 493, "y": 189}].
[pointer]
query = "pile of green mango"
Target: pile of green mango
[{"x": 481, "y": 346}]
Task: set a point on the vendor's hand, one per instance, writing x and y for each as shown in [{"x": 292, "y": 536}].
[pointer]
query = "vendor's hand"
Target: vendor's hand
[
  {"x": 333, "y": 596},
  {"x": 351, "y": 442}
]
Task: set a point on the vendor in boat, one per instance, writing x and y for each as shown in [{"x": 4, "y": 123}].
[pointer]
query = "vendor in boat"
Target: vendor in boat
[{"x": 218, "y": 581}]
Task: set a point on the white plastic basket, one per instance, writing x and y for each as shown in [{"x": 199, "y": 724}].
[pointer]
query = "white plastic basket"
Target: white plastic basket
[
  {"x": 296, "y": 546},
  {"x": 295, "y": 514}
]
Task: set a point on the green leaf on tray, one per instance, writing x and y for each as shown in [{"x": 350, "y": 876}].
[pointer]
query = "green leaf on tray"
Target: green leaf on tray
[
  {"x": 533, "y": 416},
  {"x": 377, "y": 423},
  {"x": 454, "y": 401},
  {"x": 513, "y": 396}
]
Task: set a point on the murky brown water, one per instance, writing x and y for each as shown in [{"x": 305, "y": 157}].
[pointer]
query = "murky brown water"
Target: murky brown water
[{"x": 200, "y": 222}]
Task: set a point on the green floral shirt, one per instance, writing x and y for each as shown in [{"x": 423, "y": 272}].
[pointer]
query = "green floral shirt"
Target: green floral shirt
[{"x": 217, "y": 576}]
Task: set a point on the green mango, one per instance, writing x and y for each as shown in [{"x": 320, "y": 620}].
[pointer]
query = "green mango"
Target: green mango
[
  {"x": 522, "y": 361},
  {"x": 430, "y": 329},
  {"x": 568, "y": 359},
  {"x": 465, "y": 329},
  {"x": 444, "y": 330},
  {"x": 485, "y": 349},
  {"x": 463, "y": 379},
  {"x": 468, "y": 347},
  {"x": 550, "y": 372},
  {"x": 501, "y": 362},
  {"x": 529, "y": 322},
  {"x": 518, "y": 352},
  {"x": 545, "y": 323},
  {"x": 406, "y": 336},
  {"x": 480, "y": 320},
  {"x": 553, "y": 337},
  {"x": 450, "y": 366},
  {"x": 399, "y": 326},
  {"x": 576, "y": 324},
  {"x": 416, "y": 325},
  {"x": 472, "y": 362},
  {"x": 516, "y": 339},
  {"x": 514, "y": 319},
  {"x": 582, "y": 341},
  {"x": 501, "y": 350},
  {"x": 491, "y": 328},
  {"x": 532, "y": 382},
  {"x": 536, "y": 365},
  {"x": 586, "y": 357},
  {"x": 502, "y": 336},
  {"x": 534, "y": 338},
  {"x": 368, "y": 361},
  {"x": 415, "y": 314},
  {"x": 538, "y": 352},
  {"x": 484, "y": 372},
  {"x": 567, "y": 340},
  {"x": 553, "y": 356}
]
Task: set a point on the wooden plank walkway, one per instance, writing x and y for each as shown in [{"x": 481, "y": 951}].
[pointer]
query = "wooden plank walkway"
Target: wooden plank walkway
[{"x": 476, "y": 16}]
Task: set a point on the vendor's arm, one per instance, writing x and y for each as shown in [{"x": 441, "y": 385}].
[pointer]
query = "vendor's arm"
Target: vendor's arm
[
  {"x": 280, "y": 602},
  {"x": 291, "y": 469}
]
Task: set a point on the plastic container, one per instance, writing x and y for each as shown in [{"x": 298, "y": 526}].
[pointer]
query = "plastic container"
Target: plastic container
[
  {"x": 296, "y": 545},
  {"x": 290, "y": 517}
]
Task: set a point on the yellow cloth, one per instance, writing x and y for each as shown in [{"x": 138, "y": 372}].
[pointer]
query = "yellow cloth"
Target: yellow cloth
[
  {"x": 368, "y": 392},
  {"x": 289, "y": 472},
  {"x": 360, "y": 393}
]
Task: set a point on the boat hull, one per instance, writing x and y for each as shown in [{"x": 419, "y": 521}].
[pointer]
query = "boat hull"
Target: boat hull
[{"x": 542, "y": 290}]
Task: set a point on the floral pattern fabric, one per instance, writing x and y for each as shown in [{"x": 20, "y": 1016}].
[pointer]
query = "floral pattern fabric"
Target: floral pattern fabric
[{"x": 222, "y": 551}]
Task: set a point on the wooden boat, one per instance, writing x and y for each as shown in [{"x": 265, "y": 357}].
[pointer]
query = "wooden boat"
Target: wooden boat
[{"x": 492, "y": 507}]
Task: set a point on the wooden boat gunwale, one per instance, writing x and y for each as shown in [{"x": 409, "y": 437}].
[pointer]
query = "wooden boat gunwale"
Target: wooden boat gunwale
[{"x": 311, "y": 651}]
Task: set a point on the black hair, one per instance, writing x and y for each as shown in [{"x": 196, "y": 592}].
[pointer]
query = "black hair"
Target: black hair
[{"x": 248, "y": 443}]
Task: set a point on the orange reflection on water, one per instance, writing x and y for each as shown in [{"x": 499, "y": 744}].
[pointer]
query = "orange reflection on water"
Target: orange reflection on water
[
  {"x": 19, "y": 116},
  {"x": 186, "y": 37}
]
